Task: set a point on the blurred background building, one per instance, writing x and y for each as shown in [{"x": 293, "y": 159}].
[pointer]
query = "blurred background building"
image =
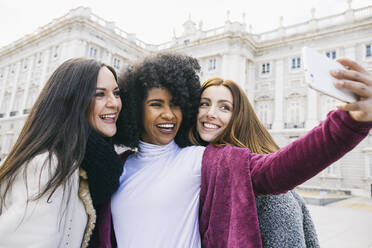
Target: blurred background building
[{"x": 267, "y": 65}]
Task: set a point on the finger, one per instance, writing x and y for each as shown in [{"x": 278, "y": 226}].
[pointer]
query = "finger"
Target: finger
[
  {"x": 356, "y": 87},
  {"x": 353, "y": 75},
  {"x": 350, "y": 106},
  {"x": 351, "y": 65}
]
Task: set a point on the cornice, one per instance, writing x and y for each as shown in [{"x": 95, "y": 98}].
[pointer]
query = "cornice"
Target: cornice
[{"x": 46, "y": 31}]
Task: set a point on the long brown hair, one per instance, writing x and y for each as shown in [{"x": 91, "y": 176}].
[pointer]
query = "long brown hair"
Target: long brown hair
[
  {"x": 57, "y": 124},
  {"x": 244, "y": 129}
]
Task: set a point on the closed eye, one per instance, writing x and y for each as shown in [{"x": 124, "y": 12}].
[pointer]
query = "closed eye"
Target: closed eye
[
  {"x": 99, "y": 94},
  {"x": 155, "y": 104}
]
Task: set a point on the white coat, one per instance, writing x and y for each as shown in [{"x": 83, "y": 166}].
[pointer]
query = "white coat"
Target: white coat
[{"x": 61, "y": 221}]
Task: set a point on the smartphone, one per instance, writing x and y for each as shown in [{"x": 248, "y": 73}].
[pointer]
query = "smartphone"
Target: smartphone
[{"x": 317, "y": 69}]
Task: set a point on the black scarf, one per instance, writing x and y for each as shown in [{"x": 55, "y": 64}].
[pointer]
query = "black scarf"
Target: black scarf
[{"x": 103, "y": 167}]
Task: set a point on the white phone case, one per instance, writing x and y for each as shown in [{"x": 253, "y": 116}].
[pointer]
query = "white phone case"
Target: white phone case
[{"x": 317, "y": 67}]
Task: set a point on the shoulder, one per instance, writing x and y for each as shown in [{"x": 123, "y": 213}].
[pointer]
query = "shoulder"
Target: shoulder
[
  {"x": 225, "y": 153},
  {"x": 192, "y": 154},
  {"x": 193, "y": 150},
  {"x": 282, "y": 202},
  {"x": 43, "y": 165}
]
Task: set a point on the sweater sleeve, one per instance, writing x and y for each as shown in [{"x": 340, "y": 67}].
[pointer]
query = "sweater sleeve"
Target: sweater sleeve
[
  {"x": 302, "y": 159},
  {"x": 31, "y": 223},
  {"x": 311, "y": 237}
]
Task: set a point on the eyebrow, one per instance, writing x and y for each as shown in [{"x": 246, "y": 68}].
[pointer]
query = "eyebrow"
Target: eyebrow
[
  {"x": 99, "y": 88},
  {"x": 223, "y": 100},
  {"x": 155, "y": 100}
]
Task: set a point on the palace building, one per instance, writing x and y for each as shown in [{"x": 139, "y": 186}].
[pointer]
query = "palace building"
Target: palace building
[{"x": 267, "y": 65}]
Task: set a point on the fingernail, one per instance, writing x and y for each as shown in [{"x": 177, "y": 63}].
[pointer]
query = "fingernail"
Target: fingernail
[
  {"x": 338, "y": 83},
  {"x": 337, "y": 72}
]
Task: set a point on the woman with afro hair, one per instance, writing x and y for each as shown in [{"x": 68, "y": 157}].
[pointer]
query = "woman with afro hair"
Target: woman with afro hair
[{"x": 175, "y": 195}]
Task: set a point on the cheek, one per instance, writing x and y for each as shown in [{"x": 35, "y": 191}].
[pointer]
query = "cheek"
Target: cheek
[
  {"x": 201, "y": 113},
  {"x": 92, "y": 116},
  {"x": 120, "y": 105},
  {"x": 227, "y": 118},
  {"x": 179, "y": 116}
]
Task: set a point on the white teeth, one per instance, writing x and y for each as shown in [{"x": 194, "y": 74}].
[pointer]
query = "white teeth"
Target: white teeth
[
  {"x": 111, "y": 116},
  {"x": 165, "y": 125},
  {"x": 209, "y": 125}
]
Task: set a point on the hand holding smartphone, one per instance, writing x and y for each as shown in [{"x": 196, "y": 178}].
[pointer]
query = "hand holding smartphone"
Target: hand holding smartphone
[{"x": 317, "y": 69}]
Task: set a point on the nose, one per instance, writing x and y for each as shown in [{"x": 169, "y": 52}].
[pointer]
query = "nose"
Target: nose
[
  {"x": 168, "y": 114},
  {"x": 211, "y": 113},
  {"x": 113, "y": 101}
]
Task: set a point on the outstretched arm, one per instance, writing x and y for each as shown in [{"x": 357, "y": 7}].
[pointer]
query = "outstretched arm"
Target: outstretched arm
[{"x": 329, "y": 141}]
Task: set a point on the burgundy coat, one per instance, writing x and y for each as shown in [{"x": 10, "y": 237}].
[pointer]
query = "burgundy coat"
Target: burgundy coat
[{"x": 232, "y": 176}]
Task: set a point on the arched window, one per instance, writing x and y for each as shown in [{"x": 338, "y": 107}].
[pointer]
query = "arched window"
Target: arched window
[
  {"x": 264, "y": 112},
  {"x": 295, "y": 114}
]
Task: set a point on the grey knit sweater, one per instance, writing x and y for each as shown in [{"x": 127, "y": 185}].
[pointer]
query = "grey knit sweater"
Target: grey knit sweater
[{"x": 285, "y": 221}]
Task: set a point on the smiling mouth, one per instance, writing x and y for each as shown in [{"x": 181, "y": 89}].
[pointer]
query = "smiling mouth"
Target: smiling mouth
[
  {"x": 210, "y": 125},
  {"x": 108, "y": 117},
  {"x": 166, "y": 127}
]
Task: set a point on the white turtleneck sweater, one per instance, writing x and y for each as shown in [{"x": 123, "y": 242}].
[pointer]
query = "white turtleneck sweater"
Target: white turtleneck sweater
[{"x": 157, "y": 203}]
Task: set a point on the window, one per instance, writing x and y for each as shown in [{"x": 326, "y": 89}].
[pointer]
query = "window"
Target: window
[
  {"x": 32, "y": 94},
  {"x": 327, "y": 104},
  {"x": 117, "y": 63},
  {"x": 264, "y": 113},
  {"x": 295, "y": 113},
  {"x": 331, "y": 54},
  {"x": 17, "y": 103},
  {"x": 4, "y": 104},
  {"x": 212, "y": 64},
  {"x": 296, "y": 63},
  {"x": 92, "y": 52},
  {"x": 368, "y": 50},
  {"x": 265, "y": 68},
  {"x": 331, "y": 170},
  {"x": 369, "y": 165}
]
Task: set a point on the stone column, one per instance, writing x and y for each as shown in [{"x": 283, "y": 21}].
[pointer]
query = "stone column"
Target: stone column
[
  {"x": 27, "y": 86},
  {"x": 233, "y": 67},
  {"x": 5, "y": 84},
  {"x": 72, "y": 49},
  {"x": 279, "y": 85},
  {"x": 108, "y": 59},
  {"x": 43, "y": 76},
  {"x": 312, "y": 109},
  {"x": 65, "y": 52},
  {"x": 14, "y": 87},
  {"x": 250, "y": 82},
  {"x": 350, "y": 52}
]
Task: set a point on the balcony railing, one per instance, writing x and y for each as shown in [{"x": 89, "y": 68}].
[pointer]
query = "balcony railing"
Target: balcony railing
[{"x": 294, "y": 125}]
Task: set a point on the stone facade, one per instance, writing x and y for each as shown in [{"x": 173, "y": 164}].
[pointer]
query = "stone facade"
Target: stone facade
[{"x": 267, "y": 65}]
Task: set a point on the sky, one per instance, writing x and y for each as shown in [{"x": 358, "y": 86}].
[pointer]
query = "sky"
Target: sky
[{"x": 155, "y": 22}]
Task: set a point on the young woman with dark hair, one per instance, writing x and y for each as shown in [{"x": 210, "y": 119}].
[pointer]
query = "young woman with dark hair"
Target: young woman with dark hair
[
  {"x": 226, "y": 117},
  {"x": 45, "y": 200},
  {"x": 196, "y": 196}
]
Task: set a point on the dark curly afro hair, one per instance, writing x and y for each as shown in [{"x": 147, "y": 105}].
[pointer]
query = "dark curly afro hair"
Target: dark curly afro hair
[{"x": 175, "y": 72}]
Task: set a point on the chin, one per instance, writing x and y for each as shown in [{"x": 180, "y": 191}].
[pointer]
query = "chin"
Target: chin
[
  {"x": 107, "y": 133},
  {"x": 207, "y": 138}
]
